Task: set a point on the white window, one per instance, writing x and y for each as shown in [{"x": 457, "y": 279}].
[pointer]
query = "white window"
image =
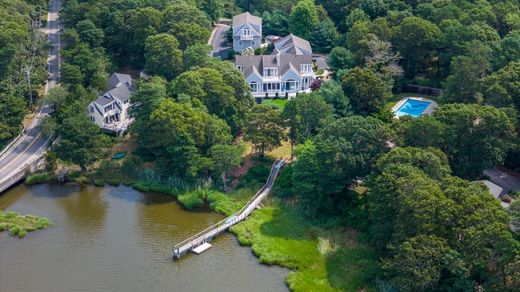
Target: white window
[
  {"x": 240, "y": 44},
  {"x": 306, "y": 83},
  {"x": 92, "y": 119},
  {"x": 252, "y": 44},
  {"x": 271, "y": 87},
  {"x": 240, "y": 67},
  {"x": 306, "y": 68},
  {"x": 254, "y": 86},
  {"x": 91, "y": 109},
  {"x": 246, "y": 32},
  {"x": 270, "y": 72}
]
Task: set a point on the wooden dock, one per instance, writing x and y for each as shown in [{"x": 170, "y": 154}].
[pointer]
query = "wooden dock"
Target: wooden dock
[{"x": 211, "y": 232}]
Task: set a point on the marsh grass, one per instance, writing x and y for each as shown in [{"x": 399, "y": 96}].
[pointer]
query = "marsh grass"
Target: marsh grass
[
  {"x": 20, "y": 225},
  {"x": 320, "y": 259}
]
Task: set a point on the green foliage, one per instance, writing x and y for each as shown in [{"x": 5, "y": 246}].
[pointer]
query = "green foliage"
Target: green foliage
[
  {"x": 38, "y": 178},
  {"x": 324, "y": 36},
  {"x": 279, "y": 235},
  {"x": 99, "y": 182},
  {"x": 333, "y": 95},
  {"x": 303, "y": 19},
  {"x": 476, "y": 137},
  {"x": 179, "y": 137},
  {"x": 222, "y": 90},
  {"x": 192, "y": 200},
  {"x": 12, "y": 111},
  {"x": 197, "y": 55},
  {"x": 416, "y": 39},
  {"x": 326, "y": 167},
  {"x": 19, "y": 225},
  {"x": 305, "y": 115},
  {"x": 81, "y": 141},
  {"x": 366, "y": 91},
  {"x": 340, "y": 58},
  {"x": 163, "y": 55},
  {"x": 263, "y": 128},
  {"x": 275, "y": 22},
  {"x": 433, "y": 229}
]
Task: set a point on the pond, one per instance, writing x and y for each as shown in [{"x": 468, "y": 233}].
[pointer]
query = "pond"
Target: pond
[{"x": 118, "y": 239}]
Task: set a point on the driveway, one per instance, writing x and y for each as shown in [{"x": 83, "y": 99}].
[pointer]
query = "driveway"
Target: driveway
[
  {"x": 505, "y": 180},
  {"x": 219, "y": 41}
]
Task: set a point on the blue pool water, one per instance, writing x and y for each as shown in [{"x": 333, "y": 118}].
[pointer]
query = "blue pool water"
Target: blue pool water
[{"x": 412, "y": 107}]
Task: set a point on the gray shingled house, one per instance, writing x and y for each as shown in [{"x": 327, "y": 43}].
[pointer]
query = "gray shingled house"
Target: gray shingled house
[
  {"x": 247, "y": 32},
  {"x": 276, "y": 75},
  {"x": 110, "y": 110}
]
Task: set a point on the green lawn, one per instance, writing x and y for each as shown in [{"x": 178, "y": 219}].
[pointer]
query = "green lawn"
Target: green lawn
[{"x": 277, "y": 103}]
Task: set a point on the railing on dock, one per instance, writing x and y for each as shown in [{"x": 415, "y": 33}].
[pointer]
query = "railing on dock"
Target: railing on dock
[{"x": 211, "y": 232}]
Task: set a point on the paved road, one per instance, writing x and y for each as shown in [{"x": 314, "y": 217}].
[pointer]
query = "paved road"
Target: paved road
[
  {"x": 32, "y": 142},
  {"x": 219, "y": 41},
  {"x": 503, "y": 179}
]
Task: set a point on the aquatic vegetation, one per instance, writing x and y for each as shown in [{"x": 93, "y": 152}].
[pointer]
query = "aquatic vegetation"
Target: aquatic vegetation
[{"x": 20, "y": 225}]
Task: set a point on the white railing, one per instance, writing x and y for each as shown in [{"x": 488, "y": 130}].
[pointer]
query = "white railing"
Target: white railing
[{"x": 219, "y": 227}]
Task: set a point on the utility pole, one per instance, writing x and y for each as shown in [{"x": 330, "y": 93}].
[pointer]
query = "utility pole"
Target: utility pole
[
  {"x": 28, "y": 72},
  {"x": 35, "y": 25}
]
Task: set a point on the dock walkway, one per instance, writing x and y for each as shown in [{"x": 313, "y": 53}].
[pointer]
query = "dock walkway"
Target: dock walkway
[{"x": 211, "y": 232}]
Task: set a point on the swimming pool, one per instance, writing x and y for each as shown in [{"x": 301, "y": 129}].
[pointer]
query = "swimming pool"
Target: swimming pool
[{"x": 412, "y": 107}]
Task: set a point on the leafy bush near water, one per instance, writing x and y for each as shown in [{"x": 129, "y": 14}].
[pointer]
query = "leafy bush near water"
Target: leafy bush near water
[
  {"x": 99, "y": 182},
  {"x": 38, "y": 178}
]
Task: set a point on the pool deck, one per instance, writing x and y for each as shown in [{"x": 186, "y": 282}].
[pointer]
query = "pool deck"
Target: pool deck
[{"x": 427, "y": 111}]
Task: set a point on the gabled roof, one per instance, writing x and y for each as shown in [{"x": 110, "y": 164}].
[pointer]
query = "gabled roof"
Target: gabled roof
[
  {"x": 246, "y": 18},
  {"x": 122, "y": 92},
  {"x": 292, "y": 44},
  {"x": 103, "y": 101},
  {"x": 118, "y": 79},
  {"x": 284, "y": 63}
]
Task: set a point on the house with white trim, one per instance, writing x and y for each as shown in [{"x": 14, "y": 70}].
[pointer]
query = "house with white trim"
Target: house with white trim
[
  {"x": 277, "y": 75},
  {"x": 110, "y": 111},
  {"x": 247, "y": 32}
]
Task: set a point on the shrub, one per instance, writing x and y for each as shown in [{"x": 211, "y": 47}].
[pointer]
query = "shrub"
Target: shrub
[
  {"x": 81, "y": 180},
  {"x": 190, "y": 201},
  {"x": 14, "y": 229},
  {"x": 38, "y": 178},
  {"x": 99, "y": 182},
  {"x": 22, "y": 233}
]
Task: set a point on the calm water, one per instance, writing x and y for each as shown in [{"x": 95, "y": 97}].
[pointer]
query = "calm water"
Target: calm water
[{"x": 118, "y": 239}]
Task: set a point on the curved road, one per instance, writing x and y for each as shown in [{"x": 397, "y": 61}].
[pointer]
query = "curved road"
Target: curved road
[{"x": 32, "y": 143}]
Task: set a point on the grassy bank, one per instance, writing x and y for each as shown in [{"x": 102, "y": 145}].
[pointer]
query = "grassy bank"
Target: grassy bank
[
  {"x": 20, "y": 225},
  {"x": 320, "y": 259}
]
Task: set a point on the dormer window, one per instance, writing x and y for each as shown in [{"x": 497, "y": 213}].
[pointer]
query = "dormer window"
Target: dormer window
[
  {"x": 306, "y": 68},
  {"x": 246, "y": 32},
  {"x": 270, "y": 72}
]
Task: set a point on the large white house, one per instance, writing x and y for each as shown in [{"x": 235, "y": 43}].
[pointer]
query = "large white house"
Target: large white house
[
  {"x": 284, "y": 73},
  {"x": 110, "y": 110},
  {"x": 277, "y": 75}
]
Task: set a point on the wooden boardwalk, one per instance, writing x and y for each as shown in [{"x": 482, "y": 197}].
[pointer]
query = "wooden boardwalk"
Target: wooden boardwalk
[{"x": 211, "y": 232}]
